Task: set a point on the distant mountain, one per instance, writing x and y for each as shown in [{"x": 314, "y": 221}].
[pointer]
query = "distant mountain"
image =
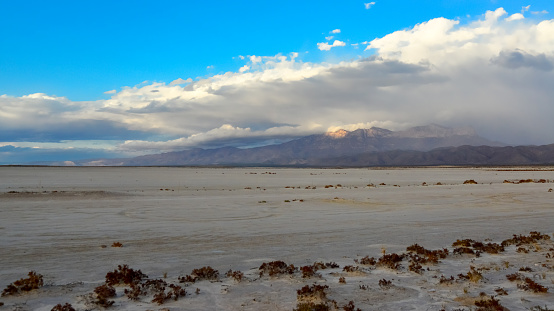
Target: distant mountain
[
  {"x": 463, "y": 155},
  {"x": 333, "y": 147}
]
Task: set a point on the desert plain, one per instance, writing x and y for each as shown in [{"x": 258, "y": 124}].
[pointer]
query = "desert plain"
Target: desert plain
[{"x": 64, "y": 223}]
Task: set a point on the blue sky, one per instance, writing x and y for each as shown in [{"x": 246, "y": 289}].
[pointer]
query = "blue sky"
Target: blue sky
[{"x": 95, "y": 66}]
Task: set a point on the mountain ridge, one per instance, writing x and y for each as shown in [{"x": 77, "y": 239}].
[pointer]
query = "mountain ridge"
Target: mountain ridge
[{"x": 314, "y": 149}]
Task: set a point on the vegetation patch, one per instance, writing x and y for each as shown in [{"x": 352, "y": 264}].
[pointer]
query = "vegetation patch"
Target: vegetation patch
[
  {"x": 65, "y": 307},
  {"x": 275, "y": 268},
  {"x": 34, "y": 281},
  {"x": 489, "y": 304}
]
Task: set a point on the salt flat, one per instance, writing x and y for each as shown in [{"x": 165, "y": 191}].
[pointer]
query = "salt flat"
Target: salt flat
[{"x": 61, "y": 223}]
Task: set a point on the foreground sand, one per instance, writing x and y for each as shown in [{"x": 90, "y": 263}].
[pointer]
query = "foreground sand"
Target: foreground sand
[{"x": 61, "y": 223}]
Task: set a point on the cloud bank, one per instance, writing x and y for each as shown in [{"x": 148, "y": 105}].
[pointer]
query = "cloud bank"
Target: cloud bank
[{"x": 493, "y": 74}]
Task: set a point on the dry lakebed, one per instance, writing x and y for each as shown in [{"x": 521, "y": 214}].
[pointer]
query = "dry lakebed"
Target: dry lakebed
[{"x": 172, "y": 238}]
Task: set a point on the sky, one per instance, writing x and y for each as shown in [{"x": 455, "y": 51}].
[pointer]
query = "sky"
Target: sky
[{"x": 104, "y": 79}]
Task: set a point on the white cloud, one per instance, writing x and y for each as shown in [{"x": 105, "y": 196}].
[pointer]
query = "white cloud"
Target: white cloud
[
  {"x": 525, "y": 9},
  {"x": 110, "y": 92},
  {"x": 255, "y": 59},
  {"x": 442, "y": 41},
  {"x": 324, "y": 46},
  {"x": 335, "y": 31},
  {"x": 244, "y": 68},
  {"x": 515, "y": 17},
  {"x": 210, "y": 67},
  {"x": 180, "y": 81},
  {"x": 539, "y": 12},
  {"x": 329, "y": 38},
  {"x": 369, "y": 5}
]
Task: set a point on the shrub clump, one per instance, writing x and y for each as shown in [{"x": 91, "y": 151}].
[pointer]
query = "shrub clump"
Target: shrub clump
[
  {"x": 391, "y": 261},
  {"x": 520, "y": 240},
  {"x": 160, "y": 295},
  {"x": 473, "y": 275},
  {"x": 350, "y": 268},
  {"x": 308, "y": 271},
  {"x": 350, "y": 307},
  {"x": 34, "y": 281},
  {"x": 278, "y": 267},
  {"x": 366, "y": 261},
  {"x": 469, "y": 246},
  {"x": 103, "y": 293},
  {"x": 237, "y": 275},
  {"x": 385, "y": 284},
  {"x": 419, "y": 255},
  {"x": 528, "y": 284},
  {"x": 205, "y": 273},
  {"x": 65, "y": 307},
  {"x": 312, "y": 291},
  {"x": 124, "y": 275},
  {"x": 311, "y": 306},
  {"x": 313, "y": 297},
  {"x": 490, "y": 304}
]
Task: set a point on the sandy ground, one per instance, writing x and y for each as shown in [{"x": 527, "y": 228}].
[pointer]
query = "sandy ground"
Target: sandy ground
[{"x": 61, "y": 223}]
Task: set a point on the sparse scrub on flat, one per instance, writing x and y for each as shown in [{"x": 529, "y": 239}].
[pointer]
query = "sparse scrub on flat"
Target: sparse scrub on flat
[{"x": 34, "y": 281}]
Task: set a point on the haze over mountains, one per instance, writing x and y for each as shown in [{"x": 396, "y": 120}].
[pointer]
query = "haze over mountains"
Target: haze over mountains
[{"x": 422, "y": 145}]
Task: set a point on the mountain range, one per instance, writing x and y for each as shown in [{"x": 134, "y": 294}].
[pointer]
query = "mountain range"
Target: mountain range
[{"x": 421, "y": 145}]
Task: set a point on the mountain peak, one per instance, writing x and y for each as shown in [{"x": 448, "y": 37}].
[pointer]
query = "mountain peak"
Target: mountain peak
[{"x": 337, "y": 134}]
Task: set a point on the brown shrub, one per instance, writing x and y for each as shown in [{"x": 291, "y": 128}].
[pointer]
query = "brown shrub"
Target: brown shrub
[
  {"x": 490, "y": 304},
  {"x": 385, "y": 284},
  {"x": 367, "y": 261},
  {"x": 65, "y": 307},
  {"x": 391, "y": 261},
  {"x": 520, "y": 240},
  {"x": 237, "y": 275},
  {"x": 124, "y": 275},
  {"x": 34, "y": 281},
  {"x": 313, "y": 291},
  {"x": 205, "y": 273},
  {"x": 532, "y": 286},
  {"x": 276, "y": 268},
  {"x": 103, "y": 292},
  {"x": 350, "y": 269}
]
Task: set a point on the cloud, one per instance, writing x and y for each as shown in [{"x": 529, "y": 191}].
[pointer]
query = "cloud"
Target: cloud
[
  {"x": 324, "y": 46},
  {"x": 335, "y": 31},
  {"x": 210, "y": 67},
  {"x": 444, "y": 41},
  {"x": 255, "y": 59},
  {"x": 244, "y": 68},
  {"x": 515, "y": 17},
  {"x": 110, "y": 92},
  {"x": 369, "y": 5},
  {"x": 180, "y": 81},
  {"x": 225, "y": 135},
  {"x": 518, "y": 59},
  {"x": 329, "y": 38},
  {"x": 491, "y": 74},
  {"x": 539, "y": 12}
]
